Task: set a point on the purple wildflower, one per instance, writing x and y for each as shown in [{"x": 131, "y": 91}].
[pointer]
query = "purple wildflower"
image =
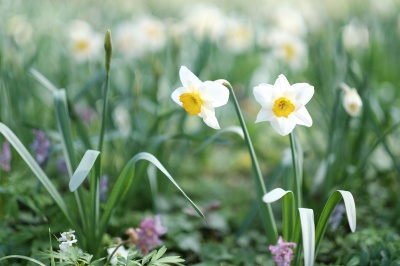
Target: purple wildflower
[
  {"x": 5, "y": 157},
  {"x": 282, "y": 251},
  {"x": 103, "y": 187},
  {"x": 336, "y": 217},
  {"x": 148, "y": 234},
  {"x": 40, "y": 146},
  {"x": 62, "y": 166}
]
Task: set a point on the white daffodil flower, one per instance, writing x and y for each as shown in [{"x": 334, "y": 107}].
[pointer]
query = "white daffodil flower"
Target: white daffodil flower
[
  {"x": 200, "y": 98},
  {"x": 284, "y": 104},
  {"x": 121, "y": 251},
  {"x": 352, "y": 102}
]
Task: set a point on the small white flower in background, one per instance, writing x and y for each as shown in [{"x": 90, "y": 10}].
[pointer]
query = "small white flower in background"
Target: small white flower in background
[
  {"x": 127, "y": 40},
  {"x": 20, "y": 29},
  {"x": 289, "y": 19},
  {"x": 238, "y": 36},
  {"x": 289, "y": 49},
  {"x": 200, "y": 98},
  {"x": 352, "y": 102},
  {"x": 355, "y": 36},
  {"x": 85, "y": 44},
  {"x": 152, "y": 32},
  {"x": 67, "y": 239},
  {"x": 122, "y": 119},
  {"x": 283, "y": 104},
  {"x": 205, "y": 21},
  {"x": 121, "y": 252}
]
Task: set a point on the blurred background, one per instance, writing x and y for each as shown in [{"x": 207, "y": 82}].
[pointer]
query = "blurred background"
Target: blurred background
[{"x": 354, "y": 143}]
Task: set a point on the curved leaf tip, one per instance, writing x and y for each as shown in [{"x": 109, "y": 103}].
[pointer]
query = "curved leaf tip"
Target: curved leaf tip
[{"x": 275, "y": 195}]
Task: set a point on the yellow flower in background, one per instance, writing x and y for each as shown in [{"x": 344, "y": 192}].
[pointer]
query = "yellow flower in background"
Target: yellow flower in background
[
  {"x": 352, "y": 102},
  {"x": 283, "y": 104},
  {"x": 200, "y": 98}
]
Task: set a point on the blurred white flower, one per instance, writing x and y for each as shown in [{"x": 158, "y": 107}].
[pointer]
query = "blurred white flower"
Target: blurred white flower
[
  {"x": 121, "y": 252},
  {"x": 352, "y": 102},
  {"x": 205, "y": 21},
  {"x": 122, "y": 119},
  {"x": 355, "y": 36},
  {"x": 383, "y": 8},
  {"x": 289, "y": 19},
  {"x": 67, "y": 239},
  {"x": 200, "y": 98},
  {"x": 289, "y": 49},
  {"x": 127, "y": 40},
  {"x": 152, "y": 32},
  {"x": 85, "y": 44},
  {"x": 19, "y": 28},
  {"x": 238, "y": 36},
  {"x": 283, "y": 104}
]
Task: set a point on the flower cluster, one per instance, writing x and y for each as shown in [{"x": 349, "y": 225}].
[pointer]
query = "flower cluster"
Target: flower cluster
[
  {"x": 337, "y": 216},
  {"x": 40, "y": 146},
  {"x": 5, "y": 158},
  {"x": 67, "y": 239},
  {"x": 283, "y": 252},
  {"x": 147, "y": 236}
]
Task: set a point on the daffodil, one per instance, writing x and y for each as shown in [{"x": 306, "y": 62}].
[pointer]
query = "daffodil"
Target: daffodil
[
  {"x": 283, "y": 104},
  {"x": 200, "y": 98},
  {"x": 352, "y": 102}
]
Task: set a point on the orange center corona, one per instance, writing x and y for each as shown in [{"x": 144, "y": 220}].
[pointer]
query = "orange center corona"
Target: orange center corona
[{"x": 283, "y": 107}]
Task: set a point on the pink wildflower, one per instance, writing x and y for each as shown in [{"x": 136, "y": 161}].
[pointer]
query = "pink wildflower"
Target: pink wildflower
[
  {"x": 5, "y": 157},
  {"x": 148, "y": 234},
  {"x": 282, "y": 251}
]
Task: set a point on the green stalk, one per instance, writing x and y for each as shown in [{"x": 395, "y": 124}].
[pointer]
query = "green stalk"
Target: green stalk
[
  {"x": 297, "y": 181},
  {"x": 108, "y": 49},
  {"x": 267, "y": 216}
]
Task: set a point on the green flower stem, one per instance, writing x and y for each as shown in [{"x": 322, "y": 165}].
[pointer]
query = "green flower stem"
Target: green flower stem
[
  {"x": 266, "y": 212},
  {"x": 297, "y": 181},
  {"x": 104, "y": 113}
]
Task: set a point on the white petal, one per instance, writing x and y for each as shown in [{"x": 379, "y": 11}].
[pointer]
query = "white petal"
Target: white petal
[
  {"x": 301, "y": 117},
  {"x": 283, "y": 126},
  {"x": 216, "y": 93},
  {"x": 208, "y": 115},
  {"x": 264, "y": 93},
  {"x": 177, "y": 93},
  {"x": 265, "y": 115},
  {"x": 188, "y": 79},
  {"x": 302, "y": 92},
  {"x": 282, "y": 84}
]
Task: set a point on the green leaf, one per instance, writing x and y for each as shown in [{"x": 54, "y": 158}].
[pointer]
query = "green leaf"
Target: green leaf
[
  {"x": 124, "y": 182},
  {"x": 308, "y": 235},
  {"x": 288, "y": 209},
  {"x": 328, "y": 210},
  {"x": 159, "y": 254},
  {"x": 61, "y": 107},
  {"x": 43, "y": 80},
  {"x": 22, "y": 257},
  {"x": 27, "y": 157},
  {"x": 232, "y": 129},
  {"x": 83, "y": 169}
]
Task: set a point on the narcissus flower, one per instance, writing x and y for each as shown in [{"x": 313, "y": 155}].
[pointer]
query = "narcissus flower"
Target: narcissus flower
[
  {"x": 284, "y": 104},
  {"x": 200, "y": 98},
  {"x": 352, "y": 102}
]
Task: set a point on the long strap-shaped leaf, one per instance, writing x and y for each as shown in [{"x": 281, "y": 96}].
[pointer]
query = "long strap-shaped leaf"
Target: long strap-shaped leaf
[
  {"x": 124, "y": 182},
  {"x": 27, "y": 157},
  {"x": 22, "y": 257},
  {"x": 328, "y": 210},
  {"x": 288, "y": 209},
  {"x": 83, "y": 169},
  {"x": 308, "y": 235}
]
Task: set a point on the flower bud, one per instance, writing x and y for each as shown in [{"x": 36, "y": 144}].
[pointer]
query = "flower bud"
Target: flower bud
[
  {"x": 108, "y": 48},
  {"x": 352, "y": 102}
]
